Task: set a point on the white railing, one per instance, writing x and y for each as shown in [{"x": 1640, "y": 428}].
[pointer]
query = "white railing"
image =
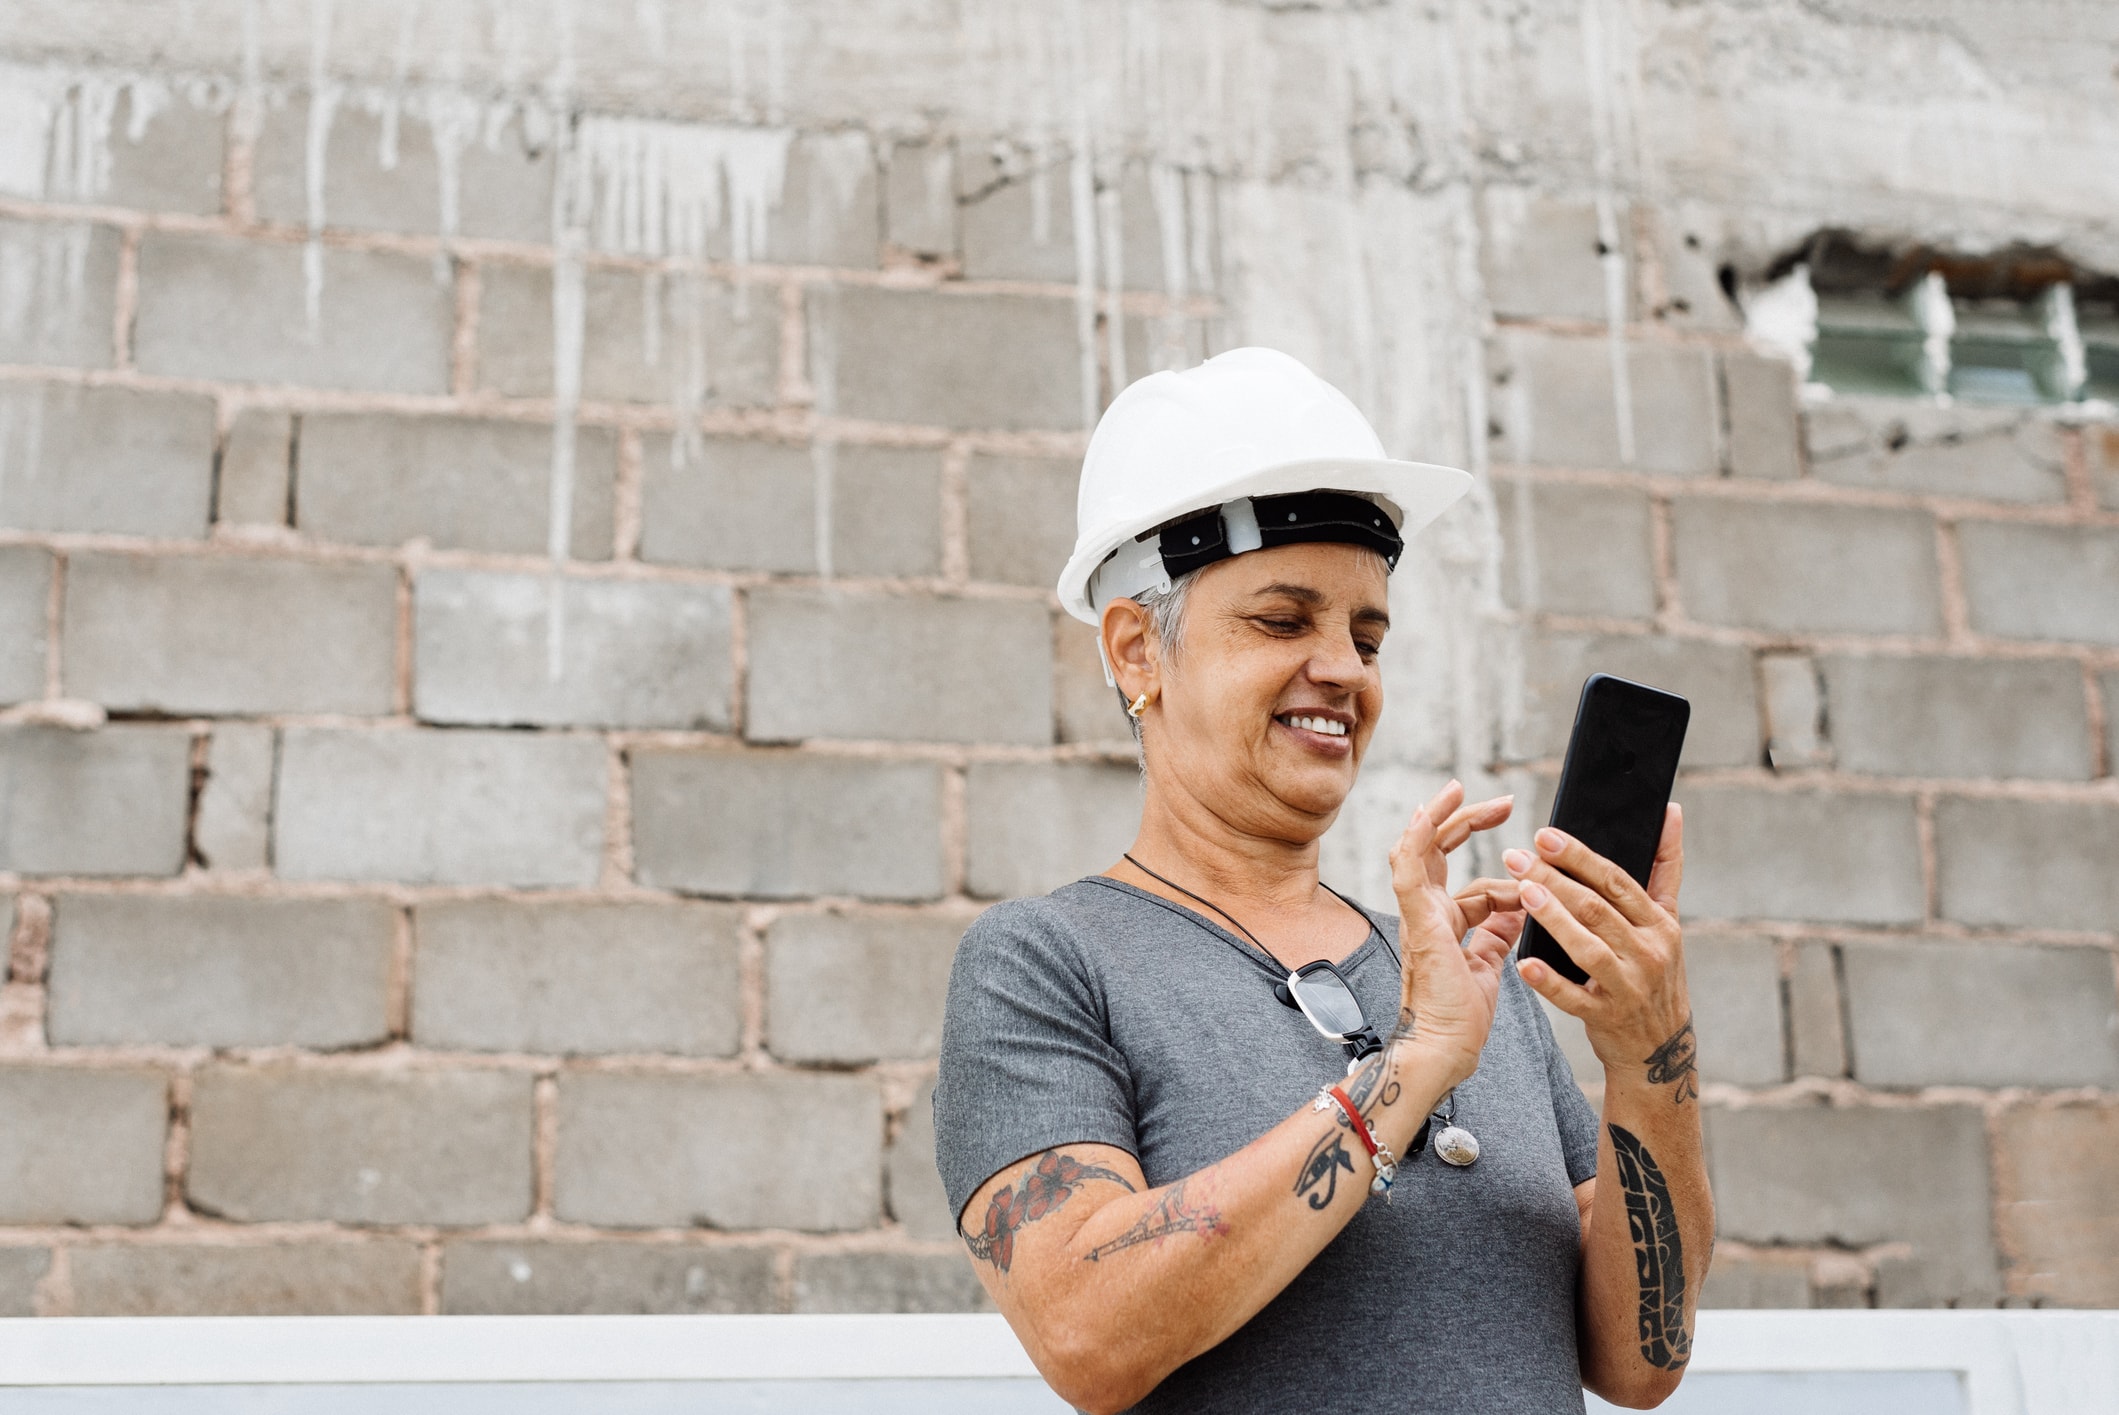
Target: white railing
[{"x": 1820, "y": 1363}]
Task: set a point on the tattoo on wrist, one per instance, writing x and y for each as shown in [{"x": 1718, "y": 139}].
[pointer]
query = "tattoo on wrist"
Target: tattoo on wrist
[
  {"x": 1659, "y": 1257},
  {"x": 1051, "y": 1182},
  {"x": 1673, "y": 1062},
  {"x": 1319, "y": 1180},
  {"x": 1404, "y": 1030},
  {"x": 1173, "y": 1213}
]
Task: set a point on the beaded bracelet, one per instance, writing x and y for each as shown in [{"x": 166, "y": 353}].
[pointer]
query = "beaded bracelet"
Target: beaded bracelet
[{"x": 1386, "y": 1163}]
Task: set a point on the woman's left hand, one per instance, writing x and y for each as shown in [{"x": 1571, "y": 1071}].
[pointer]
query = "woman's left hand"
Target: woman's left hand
[{"x": 1635, "y": 1006}]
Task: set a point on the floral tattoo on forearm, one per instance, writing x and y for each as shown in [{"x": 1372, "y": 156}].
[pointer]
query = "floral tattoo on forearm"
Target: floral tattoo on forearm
[
  {"x": 1674, "y": 1062},
  {"x": 1659, "y": 1256},
  {"x": 1050, "y": 1183},
  {"x": 1174, "y": 1212}
]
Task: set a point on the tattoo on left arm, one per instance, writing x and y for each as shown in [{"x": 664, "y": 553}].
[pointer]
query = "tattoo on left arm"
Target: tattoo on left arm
[
  {"x": 1659, "y": 1257},
  {"x": 1173, "y": 1213},
  {"x": 1674, "y": 1061},
  {"x": 1051, "y": 1183}
]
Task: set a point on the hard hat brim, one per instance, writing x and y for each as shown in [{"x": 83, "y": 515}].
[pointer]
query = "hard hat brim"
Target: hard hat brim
[{"x": 1414, "y": 492}]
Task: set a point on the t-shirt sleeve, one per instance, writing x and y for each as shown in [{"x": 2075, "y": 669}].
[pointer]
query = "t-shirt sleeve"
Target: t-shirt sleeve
[
  {"x": 1027, "y": 1057},
  {"x": 1570, "y": 1108}
]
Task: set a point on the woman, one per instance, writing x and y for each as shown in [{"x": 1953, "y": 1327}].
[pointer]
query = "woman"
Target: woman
[{"x": 1182, "y": 1196}]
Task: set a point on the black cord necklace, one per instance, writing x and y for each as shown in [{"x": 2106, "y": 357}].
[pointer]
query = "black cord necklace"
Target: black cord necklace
[
  {"x": 1233, "y": 919},
  {"x": 1455, "y": 1145}
]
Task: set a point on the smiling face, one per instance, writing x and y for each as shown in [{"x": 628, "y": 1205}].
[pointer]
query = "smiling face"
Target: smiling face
[{"x": 1263, "y": 713}]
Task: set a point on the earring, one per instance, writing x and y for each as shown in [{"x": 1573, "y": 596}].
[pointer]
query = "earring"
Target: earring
[{"x": 1138, "y": 706}]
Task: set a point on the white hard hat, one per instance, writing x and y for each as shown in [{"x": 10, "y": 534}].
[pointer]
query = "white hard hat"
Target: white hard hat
[{"x": 1251, "y": 423}]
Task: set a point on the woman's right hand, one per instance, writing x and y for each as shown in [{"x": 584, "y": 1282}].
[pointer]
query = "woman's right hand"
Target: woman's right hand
[{"x": 1451, "y": 988}]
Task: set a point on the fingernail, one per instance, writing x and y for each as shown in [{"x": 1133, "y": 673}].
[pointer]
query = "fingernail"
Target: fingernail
[
  {"x": 1518, "y": 861},
  {"x": 1551, "y": 841},
  {"x": 1534, "y": 895}
]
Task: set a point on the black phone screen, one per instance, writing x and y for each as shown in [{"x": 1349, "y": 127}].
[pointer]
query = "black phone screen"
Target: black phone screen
[{"x": 1614, "y": 785}]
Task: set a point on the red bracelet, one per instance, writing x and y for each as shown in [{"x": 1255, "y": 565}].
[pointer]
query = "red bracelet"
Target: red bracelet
[{"x": 1386, "y": 1163}]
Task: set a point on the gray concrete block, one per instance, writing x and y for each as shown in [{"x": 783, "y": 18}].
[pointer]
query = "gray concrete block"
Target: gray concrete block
[
  {"x": 1715, "y": 678},
  {"x": 378, "y": 1277},
  {"x": 256, "y": 468},
  {"x": 462, "y": 483},
  {"x": 881, "y": 1281},
  {"x": 2101, "y": 449},
  {"x": 1576, "y": 550},
  {"x": 782, "y": 825},
  {"x": 578, "y": 1279},
  {"x": 503, "y": 975},
  {"x": 456, "y": 807},
  {"x": 1559, "y": 404},
  {"x": 1757, "y": 566},
  {"x": 1021, "y": 228},
  {"x": 632, "y": 653},
  {"x": 2030, "y": 864},
  {"x": 1801, "y": 855},
  {"x": 831, "y": 663},
  {"x": 2108, "y": 685},
  {"x": 439, "y": 1147},
  {"x": 61, "y": 281},
  {"x": 1765, "y": 429},
  {"x": 2042, "y": 582},
  {"x": 1760, "y": 1280},
  {"x": 392, "y": 169},
  {"x": 25, "y": 596},
  {"x": 660, "y": 1151},
  {"x": 234, "y": 826},
  {"x": 167, "y": 158},
  {"x": 219, "y": 634},
  {"x": 857, "y": 987},
  {"x": 214, "y": 307},
  {"x": 1960, "y": 449},
  {"x": 1084, "y": 707},
  {"x": 919, "y": 198},
  {"x": 1816, "y": 1036},
  {"x": 915, "y": 1185},
  {"x": 1940, "y": 1013},
  {"x": 1796, "y": 734},
  {"x": 1035, "y": 826},
  {"x": 1736, "y": 1007},
  {"x": 2053, "y": 1168},
  {"x": 108, "y": 802},
  {"x": 221, "y": 972},
  {"x": 111, "y": 460},
  {"x": 749, "y": 505},
  {"x": 1020, "y": 519},
  {"x": 675, "y": 339},
  {"x": 1862, "y": 1175},
  {"x": 81, "y": 1146},
  {"x": 946, "y": 360},
  {"x": 1959, "y": 717},
  {"x": 1542, "y": 256},
  {"x": 829, "y": 212},
  {"x": 21, "y": 1269}
]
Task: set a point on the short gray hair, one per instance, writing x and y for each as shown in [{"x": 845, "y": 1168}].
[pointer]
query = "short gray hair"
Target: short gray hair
[{"x": 1166, "y": 611}]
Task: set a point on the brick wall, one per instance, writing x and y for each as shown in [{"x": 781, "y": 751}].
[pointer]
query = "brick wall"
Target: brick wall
[{"x": 458, "y": 802}]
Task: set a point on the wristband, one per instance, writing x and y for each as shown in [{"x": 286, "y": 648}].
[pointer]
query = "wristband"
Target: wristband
[{"x": 1379, "y": 1154}]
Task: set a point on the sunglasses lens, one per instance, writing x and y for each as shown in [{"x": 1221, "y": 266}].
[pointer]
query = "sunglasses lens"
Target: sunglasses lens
[{"x": 1325, "y": 997}]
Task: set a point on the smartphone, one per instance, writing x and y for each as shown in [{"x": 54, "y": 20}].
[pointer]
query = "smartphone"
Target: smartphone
[{"x": 1614, "y": 786}]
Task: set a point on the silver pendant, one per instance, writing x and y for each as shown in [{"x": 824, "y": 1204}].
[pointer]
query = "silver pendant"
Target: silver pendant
[{"x": 1457, "y": 1146}]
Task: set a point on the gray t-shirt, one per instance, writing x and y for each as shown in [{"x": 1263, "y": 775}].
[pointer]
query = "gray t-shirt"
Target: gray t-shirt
[{"x": 1103, "y": 1013}]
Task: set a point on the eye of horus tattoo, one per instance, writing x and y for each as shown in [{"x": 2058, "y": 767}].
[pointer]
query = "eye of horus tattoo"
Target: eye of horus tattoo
[
  {"x": 1173, "y": 1213},
  {"x": 1051, "y": 1182},
  {"x": 1318, "y": 1180},
  {"x": 1673, "y": 1062},
  {"x": 1658, "y": 1255}
]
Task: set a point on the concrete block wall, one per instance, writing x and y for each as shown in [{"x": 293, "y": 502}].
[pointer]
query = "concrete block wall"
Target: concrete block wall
[{"x": 458, "y": 805}]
